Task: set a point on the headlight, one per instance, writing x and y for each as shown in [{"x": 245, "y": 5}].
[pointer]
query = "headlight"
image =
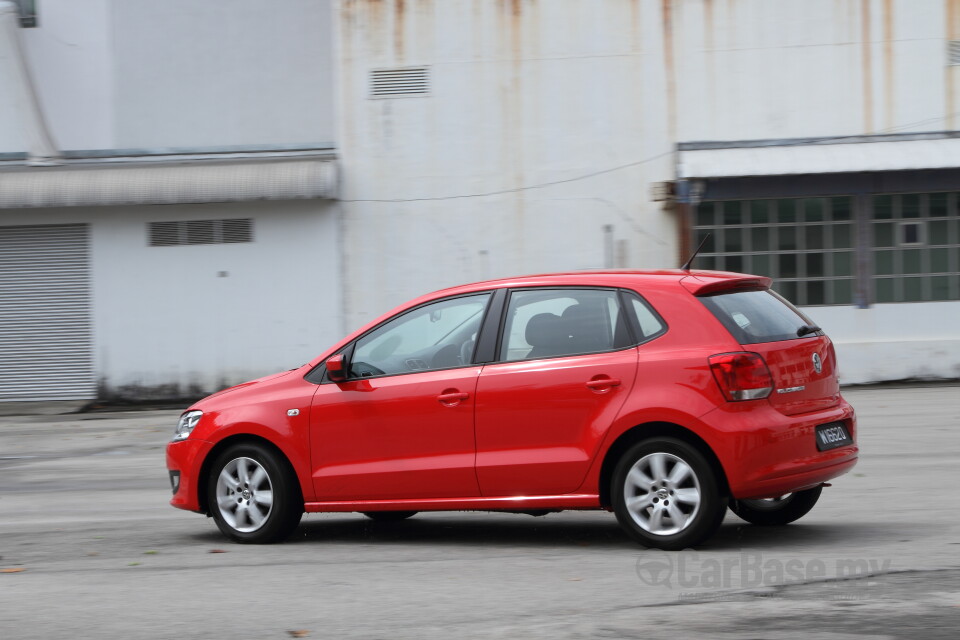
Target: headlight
[{"x": 187, "y": 422}]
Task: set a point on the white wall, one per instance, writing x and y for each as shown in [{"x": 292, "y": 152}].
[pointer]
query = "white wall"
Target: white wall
[
  {"x": 222, "y": 72},
  {"x": 166, "y": 322},
  {"x": 121, "y": 74},
  {"x": 893, "y": 341},
  {"x": 532, "y": 92},
  {"x": 522, "y": 94},
  {"x": 759, "y": 69},
  {"x": 69, "y": 56}
]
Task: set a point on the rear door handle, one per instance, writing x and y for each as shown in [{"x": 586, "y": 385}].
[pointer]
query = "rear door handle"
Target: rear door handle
[
  {"x": 452, "y": 398},
  {"x": 602, "y": 384}
]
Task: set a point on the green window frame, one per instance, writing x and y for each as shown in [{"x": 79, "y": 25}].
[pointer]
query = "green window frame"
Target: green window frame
[{"x": 838, "y": 250}]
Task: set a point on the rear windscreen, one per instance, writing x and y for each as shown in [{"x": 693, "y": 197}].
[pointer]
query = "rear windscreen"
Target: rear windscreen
[{"x": 756, "y": 316}]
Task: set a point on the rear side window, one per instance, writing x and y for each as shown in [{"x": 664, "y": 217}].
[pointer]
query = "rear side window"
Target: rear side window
[
  {"x": 550, "y": 323},
  {"x": 756, "y": 316},
  {"x": 650, "y": 323}
]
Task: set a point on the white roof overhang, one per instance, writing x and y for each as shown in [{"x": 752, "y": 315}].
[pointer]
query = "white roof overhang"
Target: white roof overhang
[
  {"x": 817, "y": 156},
  {"x": 103, "y": 183}
]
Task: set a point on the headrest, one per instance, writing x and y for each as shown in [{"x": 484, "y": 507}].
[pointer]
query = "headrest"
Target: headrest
[
  {"x": 583, "y": 326},
  {"x": 544, "y": 330}
]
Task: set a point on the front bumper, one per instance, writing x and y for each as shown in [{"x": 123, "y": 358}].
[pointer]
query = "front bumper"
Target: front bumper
[
  {"x": 186, "y": 458},
  {"x": 767, "y": 454}
]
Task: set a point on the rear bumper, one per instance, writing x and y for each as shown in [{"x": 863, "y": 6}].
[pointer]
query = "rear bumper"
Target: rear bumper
[
  {"x": 186, "y": 457},
  {"x": 767, "y": 454}
]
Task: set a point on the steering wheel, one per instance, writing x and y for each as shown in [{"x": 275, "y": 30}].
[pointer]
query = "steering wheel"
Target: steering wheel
[
  {"x": 466, "y": 352},
  {"x": 365, "y": 370}
]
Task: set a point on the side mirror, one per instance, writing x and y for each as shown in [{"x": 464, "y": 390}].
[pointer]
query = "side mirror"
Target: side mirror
[{"x": 336, "y": 368}]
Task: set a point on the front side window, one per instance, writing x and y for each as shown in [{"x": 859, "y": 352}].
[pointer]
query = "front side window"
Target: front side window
[
  {"x": 439, "y": 335},
  {"x": 548, "y": 323}
]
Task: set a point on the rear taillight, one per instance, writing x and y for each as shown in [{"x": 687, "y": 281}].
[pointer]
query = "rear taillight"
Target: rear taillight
[
  {"x": 834, "y": 365},
  {"x": 742, "y": 376}
]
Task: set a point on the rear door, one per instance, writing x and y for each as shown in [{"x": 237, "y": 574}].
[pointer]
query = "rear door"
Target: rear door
[
  {"x": 800, "y": 357},
  {"x": 564, "y": 368}
]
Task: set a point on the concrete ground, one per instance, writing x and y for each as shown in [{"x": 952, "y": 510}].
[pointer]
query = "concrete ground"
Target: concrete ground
[{"x": 89, "y": 548}]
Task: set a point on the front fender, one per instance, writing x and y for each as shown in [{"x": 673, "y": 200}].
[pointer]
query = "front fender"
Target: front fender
[{"x": 270, "y": 420}]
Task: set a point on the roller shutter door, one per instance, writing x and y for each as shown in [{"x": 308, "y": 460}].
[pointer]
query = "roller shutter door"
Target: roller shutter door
[{"x": 46, "y": 338}]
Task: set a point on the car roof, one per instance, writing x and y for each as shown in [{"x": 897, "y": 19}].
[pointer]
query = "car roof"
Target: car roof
[
  {"x": 694, "y": 281},
  {"x": 604, "y": 277}
]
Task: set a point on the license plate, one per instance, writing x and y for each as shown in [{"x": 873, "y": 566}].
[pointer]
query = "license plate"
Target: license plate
[{"x": 831, "y": 436}]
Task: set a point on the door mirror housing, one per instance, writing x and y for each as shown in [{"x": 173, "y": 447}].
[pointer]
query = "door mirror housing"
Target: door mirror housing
[{"x": 336, "y": 368}]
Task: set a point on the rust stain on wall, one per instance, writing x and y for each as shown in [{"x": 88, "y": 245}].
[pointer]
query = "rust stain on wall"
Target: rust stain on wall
[
  {"x": 516, "y": 32},
  {"x": 374, "y": 10},
  {"x": 511, "y": 21},
  {"x": 367, "y": 20},
  {"x": 888, "y": 64},
  {"x": 709, "y": 45},
  {"x": 950, "y": 71},
  {"x": 636, "y": 40},
  {"x": 399, "y": 22},
  {"x": 866, "y": 66},
  {"x": 708, "y": 27},
  {"x": 347, "y": 9},
  {"x": 669, "y": 67}
]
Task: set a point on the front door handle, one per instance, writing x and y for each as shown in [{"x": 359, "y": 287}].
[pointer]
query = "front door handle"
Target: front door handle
[
  {"x": 451, "y": 397},
  {"x": 602, "y": 384}
]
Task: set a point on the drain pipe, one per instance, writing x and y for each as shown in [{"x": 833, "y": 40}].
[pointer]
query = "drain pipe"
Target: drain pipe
[{"x": 41, "y": 151}]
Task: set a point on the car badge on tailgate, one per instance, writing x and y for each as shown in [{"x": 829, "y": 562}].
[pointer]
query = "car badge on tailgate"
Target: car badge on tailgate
[
  {"x": 817, "y": 363},
  {"x": 791, "y": 389}
]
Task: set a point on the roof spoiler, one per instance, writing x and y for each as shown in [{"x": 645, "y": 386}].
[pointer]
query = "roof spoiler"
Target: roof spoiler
[{"x": 710, "y": 284}]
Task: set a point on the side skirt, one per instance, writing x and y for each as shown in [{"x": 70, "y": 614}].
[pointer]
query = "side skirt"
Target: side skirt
[{"x": 506, "y": 503}]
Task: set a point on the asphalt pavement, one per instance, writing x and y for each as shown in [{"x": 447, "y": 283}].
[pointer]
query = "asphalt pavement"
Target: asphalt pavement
[{"x": 89, "y": 548}]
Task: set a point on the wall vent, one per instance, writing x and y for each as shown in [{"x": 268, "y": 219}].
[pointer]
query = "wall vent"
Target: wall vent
[
  {"x": 953, "y": 52},
  {"x": 186, "y": 232},
  {"x": 405, "y": 82}
]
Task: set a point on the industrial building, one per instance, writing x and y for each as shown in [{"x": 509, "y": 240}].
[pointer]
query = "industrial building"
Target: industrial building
[{"x": 194, "y": 194}]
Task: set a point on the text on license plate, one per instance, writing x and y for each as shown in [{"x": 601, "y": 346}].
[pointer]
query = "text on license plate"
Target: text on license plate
[{"x": 831, "y": 436}]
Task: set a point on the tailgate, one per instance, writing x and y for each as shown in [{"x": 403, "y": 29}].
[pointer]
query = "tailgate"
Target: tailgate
[
  {"x": 800, "y": 357},
  {"x": 797, "y": 385}
]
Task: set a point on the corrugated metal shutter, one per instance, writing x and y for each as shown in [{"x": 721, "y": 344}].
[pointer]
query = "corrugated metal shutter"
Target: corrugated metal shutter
[{"x": 46, "y": 339}]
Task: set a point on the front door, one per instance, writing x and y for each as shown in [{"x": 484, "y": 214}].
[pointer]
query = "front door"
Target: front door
[{"x": 402, "y": 425}]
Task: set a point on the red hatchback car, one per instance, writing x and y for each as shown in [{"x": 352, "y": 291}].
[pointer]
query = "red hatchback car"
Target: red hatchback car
[{"x": 663, "y": 396}]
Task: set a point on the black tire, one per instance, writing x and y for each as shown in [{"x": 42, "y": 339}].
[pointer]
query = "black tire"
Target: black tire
[
  {"x": 779, "y": 511},
  {"x": 269, "y": 502},
  {"x": 645, "y": 512},
  {"x": 389, "y": 516}
]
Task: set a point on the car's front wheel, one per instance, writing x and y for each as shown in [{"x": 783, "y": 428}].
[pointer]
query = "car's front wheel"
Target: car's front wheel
[
  {"x": 665, "y": 494},
  {"x": 777, "y": 511},
  {"x": 252, "y": 495}
]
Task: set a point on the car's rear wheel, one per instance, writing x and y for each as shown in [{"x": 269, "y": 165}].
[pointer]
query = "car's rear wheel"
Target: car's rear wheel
[
  {"x": 666, "y": 495},
  {"x": 389, "y": 516},
  {"x": 777, "y": 511},
  {"x": 252, "y": 495}
]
